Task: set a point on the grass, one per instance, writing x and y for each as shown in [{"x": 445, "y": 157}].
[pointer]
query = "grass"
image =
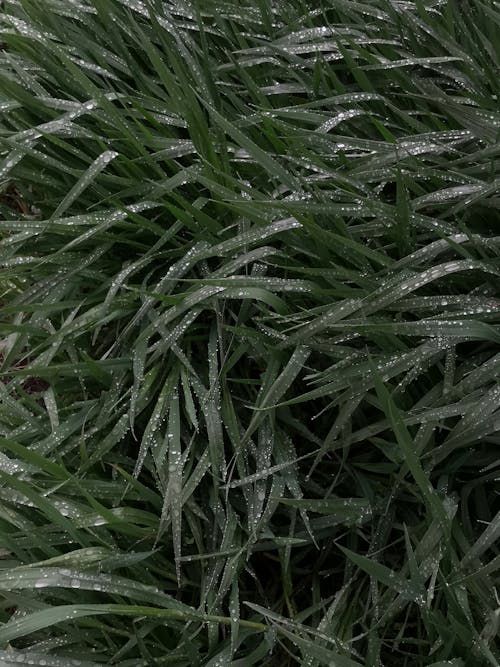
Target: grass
[{"x": 249, "y": 276}]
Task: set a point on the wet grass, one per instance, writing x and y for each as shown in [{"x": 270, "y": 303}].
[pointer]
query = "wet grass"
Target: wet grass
[{"x": 249, "y": 408}]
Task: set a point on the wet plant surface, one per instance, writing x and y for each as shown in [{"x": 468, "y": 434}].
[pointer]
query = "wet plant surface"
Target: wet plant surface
[{"x": 249, "y": 349}]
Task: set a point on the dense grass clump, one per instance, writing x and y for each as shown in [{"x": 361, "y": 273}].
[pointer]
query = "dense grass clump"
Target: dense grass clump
[{"x": 249, "y": 396}]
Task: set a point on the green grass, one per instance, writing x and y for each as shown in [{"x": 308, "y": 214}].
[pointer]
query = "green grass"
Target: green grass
[{"x": 249, "y": 277}]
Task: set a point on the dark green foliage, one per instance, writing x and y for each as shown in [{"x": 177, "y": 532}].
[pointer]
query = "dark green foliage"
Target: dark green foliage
[{"x": 249, "y": 399}]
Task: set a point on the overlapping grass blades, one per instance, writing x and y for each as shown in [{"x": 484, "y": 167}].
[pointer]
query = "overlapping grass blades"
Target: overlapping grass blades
[{"x": 249, "y": 400}]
